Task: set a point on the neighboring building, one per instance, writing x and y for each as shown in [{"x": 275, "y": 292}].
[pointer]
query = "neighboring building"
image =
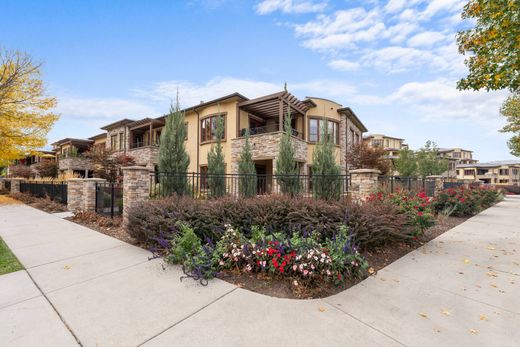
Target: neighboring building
[
  {"x": 456, "y": 156},
  {"x": 263, "y": 117},
  {"x": 392, "y": 145},
  {"x": 495, "y": 172},
  {"x": 71, "y": 156},
  {"x": 34, "y": 159}
]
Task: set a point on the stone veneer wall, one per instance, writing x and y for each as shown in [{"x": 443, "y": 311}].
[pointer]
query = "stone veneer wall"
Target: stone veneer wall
[
  {"x": 363, "y": 182},
  {"x": 81, "y": 193},
  {"x": 266, "y": 146},
  {"x": 136, "y": 188},
  {"x": 343, "y": 143},
  {"x": 75, "y": 163},
  {"x": 148, "y": 156},
  {"x": 15, "y": 185}
]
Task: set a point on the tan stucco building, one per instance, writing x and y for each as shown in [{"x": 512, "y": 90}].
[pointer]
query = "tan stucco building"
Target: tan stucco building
[
  {"x": 506, "y": 172},
  {"x": 263, "y": 117},
  {"x": 456, "y": 156},
  {"x": 392, "y": 145}
]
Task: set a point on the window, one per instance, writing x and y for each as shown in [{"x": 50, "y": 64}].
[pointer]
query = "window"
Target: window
[
  {"x": 121, "y": 141},
  {"x": 316, "y": 127},
  {"x": 503, "y": 181},
  {"x": 208, "y": 128},
  {"x": 375, "y": 143},
  {"x": 456, "y": 154},
  {"x": 482, "y": 171},
  {"x": 113, "y": 142},
  {"x": 458, "y": 172},
  {"x": 357, "y": 139},
  {"x": 469, "y": 172},
  {"x": 504, "y": 172},
  {"x": 387, "y": 143},
  {"x": 314, "y": 130}
]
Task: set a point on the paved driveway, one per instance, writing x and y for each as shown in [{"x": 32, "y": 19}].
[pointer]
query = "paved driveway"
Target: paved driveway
[{"x": 84, "y": 287}]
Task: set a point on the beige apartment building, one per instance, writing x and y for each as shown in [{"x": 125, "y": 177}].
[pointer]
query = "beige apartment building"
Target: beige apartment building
[
  {"x": 392, "y": 145},
  {"x": 456, "y": 156},
  {"x": 505, "y": 172},
  {"x": 263, "y": 117}
]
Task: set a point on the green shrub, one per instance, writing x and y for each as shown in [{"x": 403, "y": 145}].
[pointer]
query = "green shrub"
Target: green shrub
[{"x": 369, "y": 224}]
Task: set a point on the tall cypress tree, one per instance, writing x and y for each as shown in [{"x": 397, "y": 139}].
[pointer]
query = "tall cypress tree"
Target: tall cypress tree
[
  {"x": 246, "y": 169},
  {"x": 216, "y": 163},
  {"x": 287, "y": 173},
  {"x": 173, "y": 158},
  {"x": 327, "y": 182}
]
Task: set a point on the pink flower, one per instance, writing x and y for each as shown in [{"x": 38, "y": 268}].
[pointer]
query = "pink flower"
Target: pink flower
[
  {"x": 305, "y": 272},
  {"x": 294, "y": 267}
]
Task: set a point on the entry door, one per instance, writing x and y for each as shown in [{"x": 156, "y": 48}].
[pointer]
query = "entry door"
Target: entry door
[{"x": 261, "y": 182}]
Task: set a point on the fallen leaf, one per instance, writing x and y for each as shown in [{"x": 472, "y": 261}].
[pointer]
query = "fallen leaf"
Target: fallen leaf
[
  {"x": 67, "y": 267},
  {"x": 473, "y": 331},
  {"x": 424, "y": 315},
  {"x": 482, "y": 317},
  {"x": 466, "y": 261},
  {"x": 491, "y": 248},
  {"x": 493, "y": 285},
  {"x": 321, "y": 309},
  {"x": 371, "y": 270},
  {"x": 491, "y": 274},
  {"x": 446, "y": 312}
]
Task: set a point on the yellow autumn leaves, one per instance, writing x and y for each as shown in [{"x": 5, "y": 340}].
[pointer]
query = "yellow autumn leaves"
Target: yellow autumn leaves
[{"x": 25, "y": 117}]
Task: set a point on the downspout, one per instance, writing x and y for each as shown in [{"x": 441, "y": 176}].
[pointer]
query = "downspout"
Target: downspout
[{"x": 197, "y": 169}]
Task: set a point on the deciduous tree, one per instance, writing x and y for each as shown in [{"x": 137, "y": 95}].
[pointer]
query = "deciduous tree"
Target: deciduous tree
[
  {"x": 25, "y": 117},
  {"x": 511, "y": 110},
  {"x": 406, "y": 164},
  {"x": 429, "y": 162},
  {"x": 493, "y": 45},
  {"x": 361, "y": 156}
]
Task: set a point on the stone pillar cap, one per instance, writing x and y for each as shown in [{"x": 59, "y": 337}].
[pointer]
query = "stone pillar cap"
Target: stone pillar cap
[
  {"x": 357, "y": 171},
  {"x": 144, "y": 168},
  {"x": 434, "y": 176},
  {"x": 17, "y": 179}
]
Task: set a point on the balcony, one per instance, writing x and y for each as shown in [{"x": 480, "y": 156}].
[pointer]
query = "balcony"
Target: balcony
[
  {"x": 267, "y": 129},
  {"x": 78, "y": 163}
]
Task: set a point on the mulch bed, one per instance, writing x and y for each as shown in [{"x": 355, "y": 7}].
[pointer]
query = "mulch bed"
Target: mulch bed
[
  {"x": 44, "y": 204},
  {"x": 109, "y": 226},
  {"x": 283, "y": 287}
]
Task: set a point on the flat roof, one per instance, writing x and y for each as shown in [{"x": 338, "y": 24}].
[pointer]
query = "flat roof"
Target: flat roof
[
  {"x": 97, "y": 136},
  {"x": 491, "y": 164},
  {"x": 72, "y": 140},
  {"x": 384, "y": 136},
  {"x": 452, "y": 149}
]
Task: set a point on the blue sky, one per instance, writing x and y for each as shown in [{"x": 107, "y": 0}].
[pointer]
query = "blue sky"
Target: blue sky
[{"x": 394, "y": 62}]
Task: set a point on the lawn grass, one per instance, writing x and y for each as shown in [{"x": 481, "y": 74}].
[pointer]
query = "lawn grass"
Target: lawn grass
[{"x": 8, "y": 262}]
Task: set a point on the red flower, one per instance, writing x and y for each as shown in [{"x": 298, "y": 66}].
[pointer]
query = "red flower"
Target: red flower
[{"x": 419, "y": 214}]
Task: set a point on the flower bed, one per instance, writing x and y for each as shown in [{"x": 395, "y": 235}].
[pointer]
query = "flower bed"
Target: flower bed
[
  {"x": 463, "y": 201},
  {"x": 310, "y": 246}
]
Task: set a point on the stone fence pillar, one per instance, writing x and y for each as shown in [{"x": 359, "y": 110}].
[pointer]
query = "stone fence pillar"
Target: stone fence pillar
[
  {"x": 363, "y": 182},
  {"x": 2, "y": 184},
  {"x": 136, "y": 188},
  {"x": 15, "y": 185},
  {"x": 439, "y": 183},
  {"x": 81, "y": 193}
]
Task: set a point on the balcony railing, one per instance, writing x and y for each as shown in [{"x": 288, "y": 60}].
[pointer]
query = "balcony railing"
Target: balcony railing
[
  {"x": 266, "y": 129},
  {"x": 140, "y": 144}
]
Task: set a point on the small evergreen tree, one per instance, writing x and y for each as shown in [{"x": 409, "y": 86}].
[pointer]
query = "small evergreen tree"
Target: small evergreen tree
[
  {"x": 173, "y": 159},
  {"x": 216, "y": 164},
  {"x": 287, "y": 173},
  {"x": 327, "y": 182},
  {"x": 246, "y": 168}
]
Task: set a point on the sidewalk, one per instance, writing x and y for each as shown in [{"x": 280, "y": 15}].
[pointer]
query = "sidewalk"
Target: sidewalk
[{"x": 459, "y": 289}]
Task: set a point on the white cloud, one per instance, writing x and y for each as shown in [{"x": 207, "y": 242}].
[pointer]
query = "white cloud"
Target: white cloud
[
  {"x": 103, "y": 108},
  {"x": 192, "y": 93},
  {"x": 437, "y": 6},
  {"x": 344, "y": 65},
  {"x": 426, "y": 39},
  {"x": 290, "y": 6},
  {"x": 395, "y": 59},
  {"x": 440, "y": 100}
]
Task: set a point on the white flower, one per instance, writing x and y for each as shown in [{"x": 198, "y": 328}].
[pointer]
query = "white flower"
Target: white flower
[
  {"x": 323, "y": 255},
  {"x": 221, "y": 262},
  {"x": 322, "y": 260},
  {"x": 315, "y": 258},
  {"x": 295, "y": 282},
  {"x": 248, "y": 267},
  {"x": 328, "y": 272},
  {"x": 294, "y": 267},
  {"x": 312, "y": 266}
]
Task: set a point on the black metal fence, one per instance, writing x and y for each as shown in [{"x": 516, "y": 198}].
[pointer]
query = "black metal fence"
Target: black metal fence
[
  {"x": 54, "y": 190},
  {"x": 392, "y": 184},
  {"x": 451, "y": 184},
  {"x": 201, "y": 185},
  {"x": 109, "y": 199}
]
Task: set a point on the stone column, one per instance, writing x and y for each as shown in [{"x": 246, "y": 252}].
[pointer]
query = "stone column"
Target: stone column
[
  {"x": 439, "y": 183},
  {"x": 15, "y": 185},
  {"x": 89, "y": 193},
  {"x": 2, "y": 184},
  {"x": 136, "y": 188},
  {"x": 75, "y": 200},
  {"x": 363, "y": 182}
]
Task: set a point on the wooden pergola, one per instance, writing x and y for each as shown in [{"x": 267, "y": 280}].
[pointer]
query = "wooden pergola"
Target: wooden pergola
[
  {"x": 275, "y": 105},
  {"x": 143, "y": 124}
]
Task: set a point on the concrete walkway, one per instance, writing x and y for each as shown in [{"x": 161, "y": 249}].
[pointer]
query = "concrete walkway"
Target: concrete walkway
[{"x": 82, "y": 287}]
